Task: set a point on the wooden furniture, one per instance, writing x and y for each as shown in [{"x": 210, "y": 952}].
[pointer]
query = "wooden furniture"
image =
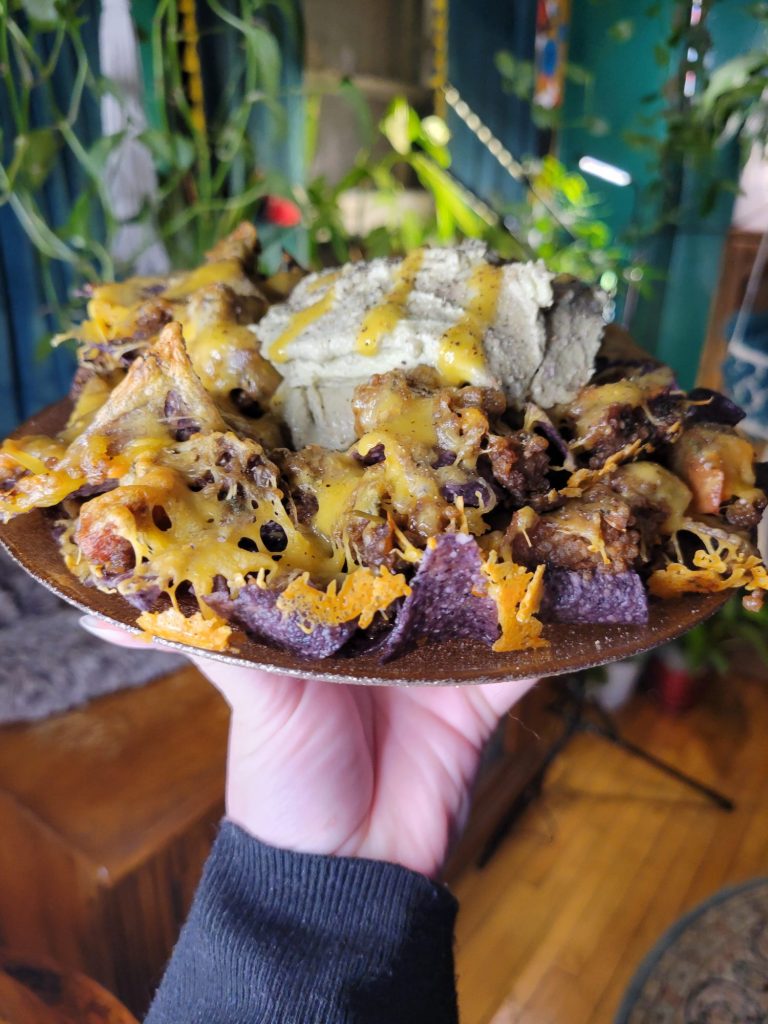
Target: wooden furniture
[
  {"x": 106, "y": 817},
  {"x": 107, "y": 814},
  {"x": 738, "y": 257},
  {"x": 39, "y": 992}
]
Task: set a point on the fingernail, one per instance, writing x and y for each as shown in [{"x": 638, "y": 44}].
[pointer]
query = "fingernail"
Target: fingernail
[{"x": 94, "y": 626}]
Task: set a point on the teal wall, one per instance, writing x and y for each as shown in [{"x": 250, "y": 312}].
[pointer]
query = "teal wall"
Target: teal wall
[{"x": 673, "y": 322}]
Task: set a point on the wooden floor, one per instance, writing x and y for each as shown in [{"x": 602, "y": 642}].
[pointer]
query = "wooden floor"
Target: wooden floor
[{"x": 613, "y": 853}]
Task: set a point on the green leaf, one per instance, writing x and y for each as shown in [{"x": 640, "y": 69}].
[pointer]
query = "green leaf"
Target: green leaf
[
  {"x": 578, "y": 75},
  {"x": 661, "y": 55},
  {"x": 596, "y": 126},
  {"x": 358, "y": 103},
  {"x": 76, "y": 228},
  {"x": 171, "y": 151},
  {"x": 639, "y": 140},
  {"x": 505, "y": 63},
  {"x": 733, "y": 76},
  {"x": 102, "y": 148},
  {"x": 436, "y": 130},
  {"x": 401, "y": 125},
  {"x": 450, "y": 202},
  {"x": 545, "y": 117},
  {"x": 42, "y": 13},
  {"x": 622, "y": 31},
  {"x": 518, "y": 75},
  {"x": 260, "y": 44},
  {"x": 34, "y": 157}
]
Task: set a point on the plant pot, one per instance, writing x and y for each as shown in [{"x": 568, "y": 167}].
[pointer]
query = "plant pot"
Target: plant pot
[
  {"x": 674, "y": 687},
  {"x": 620, "y": 682}
]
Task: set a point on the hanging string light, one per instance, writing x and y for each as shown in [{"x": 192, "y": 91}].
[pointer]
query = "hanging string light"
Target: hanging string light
[
  {"x": 190, "y": 62},
  {"x": 439, "y": 79},
  {"x": 483, "y": 133}
]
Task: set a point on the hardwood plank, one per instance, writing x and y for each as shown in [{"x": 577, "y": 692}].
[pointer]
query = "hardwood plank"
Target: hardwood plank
[{"x": 610, "y": 856}]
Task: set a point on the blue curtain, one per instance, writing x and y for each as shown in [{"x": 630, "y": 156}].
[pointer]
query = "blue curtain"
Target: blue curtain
[
  {"x": 31, "y": 375},
  {"x": 478, "y": 30}
]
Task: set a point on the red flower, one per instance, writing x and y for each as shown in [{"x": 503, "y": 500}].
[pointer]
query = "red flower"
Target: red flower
[{"x": 282, "y": 212}]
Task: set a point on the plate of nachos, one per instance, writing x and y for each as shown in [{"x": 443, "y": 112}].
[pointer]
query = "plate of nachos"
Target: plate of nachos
[{"x": 438, "y": 468}]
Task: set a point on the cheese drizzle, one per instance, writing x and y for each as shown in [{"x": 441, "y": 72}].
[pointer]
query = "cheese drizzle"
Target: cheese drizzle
[
  {"x": 462, "y": 355},
  {"x": 383, "y": 319},
  {"x": 300, "y": 320}
]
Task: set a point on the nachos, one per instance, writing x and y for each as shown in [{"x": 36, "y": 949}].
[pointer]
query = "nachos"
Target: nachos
[{"x": 386, "y": 453}]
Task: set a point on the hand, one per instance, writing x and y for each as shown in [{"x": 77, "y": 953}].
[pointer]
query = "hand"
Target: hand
[{"x": 358, "y": 771}]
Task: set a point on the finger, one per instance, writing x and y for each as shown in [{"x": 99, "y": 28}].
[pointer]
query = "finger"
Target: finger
[
  {"x": 495, "y": 699},
  {"x": 112, "y": 634},
  {"x": 251, "y": 691}
]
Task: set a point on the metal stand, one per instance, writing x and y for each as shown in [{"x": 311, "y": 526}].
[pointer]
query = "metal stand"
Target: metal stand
[{"x": 574, "y": 708}]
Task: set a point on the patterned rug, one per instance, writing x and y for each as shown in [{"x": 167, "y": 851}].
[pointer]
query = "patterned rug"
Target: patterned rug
[
  {"x": 709, "y": 968},
  {"x": 48, "y": 664}
]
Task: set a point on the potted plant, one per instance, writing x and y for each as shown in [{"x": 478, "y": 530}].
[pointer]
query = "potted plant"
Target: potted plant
[
  {"x": 678, "y": 672},
  {"x": 611, "y": 686}
]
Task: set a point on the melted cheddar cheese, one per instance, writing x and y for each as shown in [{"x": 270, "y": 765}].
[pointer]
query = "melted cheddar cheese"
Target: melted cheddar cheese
[
  {"x": 383, "y": 319},
  {"x": 209, "y": 634},
  {"x": 363, "y": 593},
  {"x": 724, "y": 562},
  {"x": 300, "y": 320},
  {"x": 462, "y": 355},
  {"x": 517, "y": 594}
]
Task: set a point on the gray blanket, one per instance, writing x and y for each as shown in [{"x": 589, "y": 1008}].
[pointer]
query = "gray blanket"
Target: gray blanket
[{"x": 48, "y": 664}]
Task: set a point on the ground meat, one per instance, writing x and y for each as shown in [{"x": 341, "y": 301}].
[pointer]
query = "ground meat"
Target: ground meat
[
  {"x": 303, "y": 472},
  {"x": 249, "y": 309},
  {"x": 387, "y": 395},
  {"x": 602, "y": 529},
  {"x": 603, "y": 419},
  {"x": 305, "y": 505},
  {"x": 551, "y": 545},
  {"x": 489, "y": 400},
  {"x": 104, "y": 548},
  {"x": 620, "y": 426},
  {"x": 519, "y": 464},
  {"x": 371, "y": 539},
  {"x": 150, "y": 319},
  {"x": 744, "y": 515},
  {"x": 246, "y": 403}
]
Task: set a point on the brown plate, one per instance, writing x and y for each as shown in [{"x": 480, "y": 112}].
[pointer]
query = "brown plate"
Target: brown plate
[{"x": 29, "y": 541}]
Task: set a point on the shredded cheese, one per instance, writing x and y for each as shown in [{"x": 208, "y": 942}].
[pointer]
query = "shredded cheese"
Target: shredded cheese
[
  {"x": 723, "y": 563},
  {"x": 363, "y": 593},
  {"x": 211, "y": 634},
  {"x": 517, "y": 593}
]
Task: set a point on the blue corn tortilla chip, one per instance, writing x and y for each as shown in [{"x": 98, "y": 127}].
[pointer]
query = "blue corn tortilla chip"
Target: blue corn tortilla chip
[
  {"x": 255, "y": 610},
  {"x": 713, "y": 408},
  {"x": 446, "y": 600},
  {"x": 594, "y": 597}
]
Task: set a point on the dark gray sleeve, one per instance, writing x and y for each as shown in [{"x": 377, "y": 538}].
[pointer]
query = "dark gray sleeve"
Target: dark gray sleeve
[{"x": 290, "y": 938}]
